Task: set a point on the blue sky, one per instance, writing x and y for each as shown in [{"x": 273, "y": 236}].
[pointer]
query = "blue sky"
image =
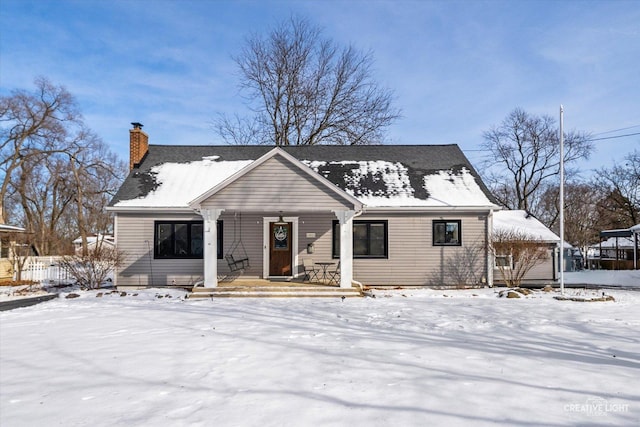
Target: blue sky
[{"x": 456, "y": 67}]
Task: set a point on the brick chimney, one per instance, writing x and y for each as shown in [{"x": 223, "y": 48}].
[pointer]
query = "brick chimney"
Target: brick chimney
[{"x": 138, "y": 145}]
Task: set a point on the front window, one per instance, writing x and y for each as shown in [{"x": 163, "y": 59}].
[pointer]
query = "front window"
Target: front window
[
  {"x": 447, "y": 233},
  {"x": 182, "y": 239},
  {"x": 370, "y": 239},
  {"x": 4, "y": 248}
]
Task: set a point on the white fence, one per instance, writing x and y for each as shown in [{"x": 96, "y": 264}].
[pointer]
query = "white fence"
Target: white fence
[{"x": 45, "y": 269}]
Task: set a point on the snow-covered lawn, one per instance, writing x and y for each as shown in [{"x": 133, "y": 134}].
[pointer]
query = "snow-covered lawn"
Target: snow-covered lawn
[{"x": 404, "y": 358}]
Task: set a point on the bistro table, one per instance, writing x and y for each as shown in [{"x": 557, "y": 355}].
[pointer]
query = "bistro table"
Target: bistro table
[{"x": 324, "y": 266}]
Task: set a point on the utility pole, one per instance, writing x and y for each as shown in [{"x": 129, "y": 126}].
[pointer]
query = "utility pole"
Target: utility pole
[{"x": 561, "y": 200}]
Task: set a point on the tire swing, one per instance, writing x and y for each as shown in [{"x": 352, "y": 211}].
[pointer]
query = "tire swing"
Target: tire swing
[{"x": 236, "y": 256}]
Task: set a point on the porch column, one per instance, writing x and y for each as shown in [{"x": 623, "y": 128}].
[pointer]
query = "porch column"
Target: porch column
[
  {"x": 635, "y": 250},
  {"x": 210, "y": 253},
  {"x": 346, "y": 247}
]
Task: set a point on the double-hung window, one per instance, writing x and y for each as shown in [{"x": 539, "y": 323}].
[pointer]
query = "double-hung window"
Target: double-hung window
[
  {"x": 447, "y": 232},
  {"x": 4, "y": 248},
  {"x": 182, "y": 239},
  {"x": 503, "y": 261},
  {"x": 370, "y": 239}
]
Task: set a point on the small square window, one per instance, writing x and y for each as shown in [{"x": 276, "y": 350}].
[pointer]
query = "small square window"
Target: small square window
[
  {"x": 447, "y": 233},
  {"x": 503, "y": 261},
  {"x": 4, "y": 248}
]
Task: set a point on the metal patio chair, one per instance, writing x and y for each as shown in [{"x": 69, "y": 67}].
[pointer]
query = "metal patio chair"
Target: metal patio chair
[
  {"x": 310, "y": 270},
  {"x": 334, "y": 275}
]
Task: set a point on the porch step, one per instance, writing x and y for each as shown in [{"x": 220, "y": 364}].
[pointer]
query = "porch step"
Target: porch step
[{"x": 274, "y": 292}]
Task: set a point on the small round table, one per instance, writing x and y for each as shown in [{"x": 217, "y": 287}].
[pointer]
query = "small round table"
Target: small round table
[{"x": 324, "y": 266}]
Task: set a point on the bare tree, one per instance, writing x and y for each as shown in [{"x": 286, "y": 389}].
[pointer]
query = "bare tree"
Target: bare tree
[
  {"x": 44, "y": 191},
  {"x": 238, "y": 130},
  {"x": 59, "y": 175},
  {"x": 305, "y": 90},
  {"x": 524, "y": 153},
  {"x": 33, "y": 125},
  {"x": 621, "y": 183},
  {"x": 581, "y": 224},
  {"x": 95, "y": 174},
  {"x": 517, "y": 253}
]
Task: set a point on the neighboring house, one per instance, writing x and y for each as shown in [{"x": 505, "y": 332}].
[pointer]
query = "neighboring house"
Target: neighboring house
[
  {"x": 7, "y": 243},
  {"x": 573, "y": 260},
  {"x": 522, "y": 222},
  {"x": 94, "y": 240},
  {"x": 617, "y": 250},
  {"x": 390, "y": 215}
]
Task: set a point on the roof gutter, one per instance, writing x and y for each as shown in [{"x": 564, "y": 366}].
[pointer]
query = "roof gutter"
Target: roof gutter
[
  {"x": 148, "y": 209},
  {"x": 429, "y": 209}
]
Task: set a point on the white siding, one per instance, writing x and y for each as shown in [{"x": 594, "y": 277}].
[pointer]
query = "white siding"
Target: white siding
[
  {"x": 412, "y": 258},
  {"x": 415, "y": 261},
  {"x": 134, "y": 236},
  {"x": 412, "y": 261},
  {"x": 542, "y": 273}
]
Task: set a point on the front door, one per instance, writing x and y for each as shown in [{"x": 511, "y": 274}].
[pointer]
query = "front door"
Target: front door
[{"x": 280, "y": 249}]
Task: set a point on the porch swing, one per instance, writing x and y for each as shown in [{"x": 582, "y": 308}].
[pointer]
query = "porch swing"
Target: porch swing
[{"x": 236, "y": 256}]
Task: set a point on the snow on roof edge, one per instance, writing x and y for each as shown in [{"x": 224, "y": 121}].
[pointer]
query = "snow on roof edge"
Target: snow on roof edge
[{"x": 520, "y": 220}]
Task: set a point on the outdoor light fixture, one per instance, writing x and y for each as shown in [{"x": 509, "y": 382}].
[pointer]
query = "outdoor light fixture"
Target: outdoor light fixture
[{"x": 280, "y": 220}]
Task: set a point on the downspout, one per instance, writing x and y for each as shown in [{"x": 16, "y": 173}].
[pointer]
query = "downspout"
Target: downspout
[{"x": 488, "y": 229}]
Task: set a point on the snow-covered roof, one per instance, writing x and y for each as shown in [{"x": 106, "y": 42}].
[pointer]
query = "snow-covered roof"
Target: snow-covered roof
[
  {"x": 378, "y": 176},
  {"x": 176, "y": 184},
  {"x": 106, "y": 238},
  {"x": 523, "y": 222},
  {"x": 11, "y": 228},
  {"x": 381, "y": 183},
  {"x": 610, "y": 243}
]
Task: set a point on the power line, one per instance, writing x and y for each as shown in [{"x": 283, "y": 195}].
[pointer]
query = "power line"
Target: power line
[
  {"x": 613, "y": 137},
  {"x": 616, "y": 130},
  {"x": 588, "y": 140}
]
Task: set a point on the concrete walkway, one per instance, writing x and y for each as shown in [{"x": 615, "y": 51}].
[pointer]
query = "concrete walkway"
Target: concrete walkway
[{"x": 268, "y": 288}]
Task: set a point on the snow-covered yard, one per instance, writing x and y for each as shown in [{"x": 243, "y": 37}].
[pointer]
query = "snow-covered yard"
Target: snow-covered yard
[
  {"x": 608, "y": 278},
  {"x": 404, "y": 358}
]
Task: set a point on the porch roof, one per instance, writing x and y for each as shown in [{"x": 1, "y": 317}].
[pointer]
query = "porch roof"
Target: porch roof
[
  {"x": 521, "y": 221},
  {"x": 622, "y": 232},
  {"x": 615, "y": 242}
]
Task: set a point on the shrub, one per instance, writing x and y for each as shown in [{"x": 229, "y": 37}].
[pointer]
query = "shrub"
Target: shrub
[
  {"x": 92, "y": 269},
  {"x": 523, "y": 250}
]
